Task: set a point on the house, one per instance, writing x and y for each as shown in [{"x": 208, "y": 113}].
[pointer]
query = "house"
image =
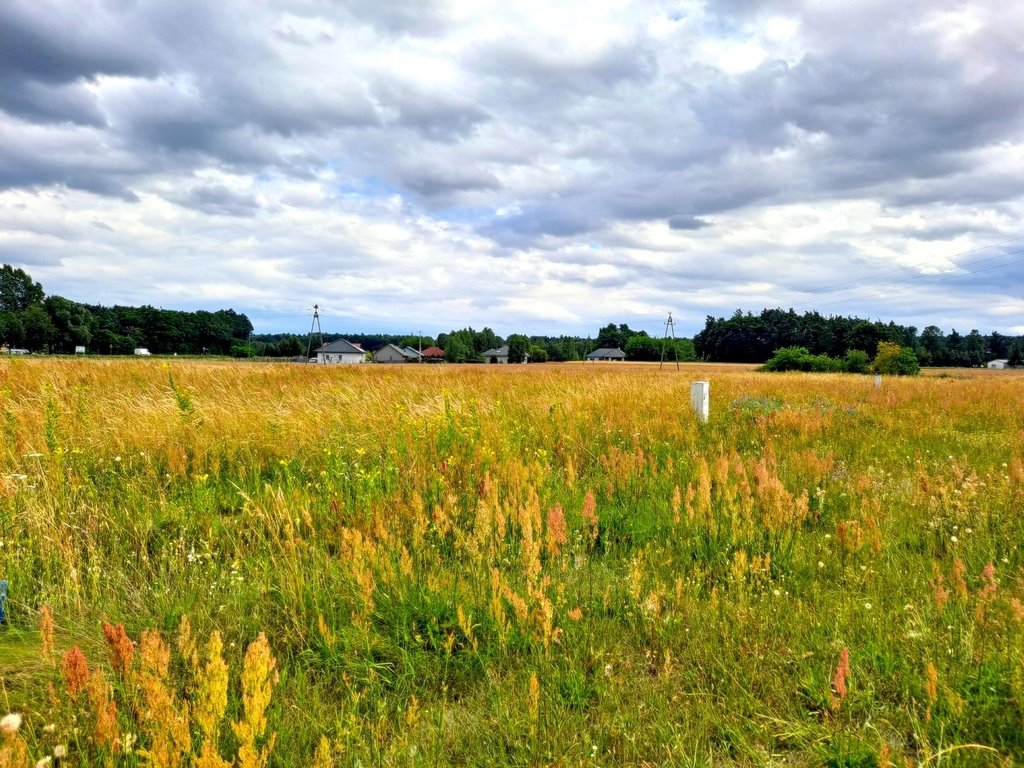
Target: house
[
  {"x": 433, "y": 355},
  {"x": 340, "y": 351},
  {"x": 497, "y": 355},
  {"x": 607, "y": 353},
  {"x": 998, "y": 364},
  {"x": 392, "y": 353}
]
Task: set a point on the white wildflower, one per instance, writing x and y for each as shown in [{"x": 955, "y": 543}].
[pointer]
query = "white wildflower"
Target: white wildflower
[{"x": 9, "y": 724}]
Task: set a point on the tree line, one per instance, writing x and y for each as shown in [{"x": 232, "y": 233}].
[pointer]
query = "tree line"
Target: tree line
[
  {"x": 40, "y": 323},
  {"x": 32, "y": 320},
  {"x": 749, "y": 338}
]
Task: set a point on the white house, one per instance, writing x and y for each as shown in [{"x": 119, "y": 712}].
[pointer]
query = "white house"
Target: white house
[
  {"x": 607, "y": 353},
  {"x": 340, "y": 351},
  {"x": 497, "y": 355},
  {"x": 391, "y": 353},
  {"x": 999, "y": 364}
]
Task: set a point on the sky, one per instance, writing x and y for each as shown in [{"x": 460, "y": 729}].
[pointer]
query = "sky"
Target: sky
[{"x": 535, "y": 167}]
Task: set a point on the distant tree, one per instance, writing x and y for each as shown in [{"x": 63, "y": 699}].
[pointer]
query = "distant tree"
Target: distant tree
[
  {"x": 518, "y": 346},
  {"x": 39, "y": 329},
  {"x": 975, "y": 349},
  {"x": 643, "y": 347},
  {"x": 17, "y": 290},
  {"x": 933, "y": 342},
  {"x": 12, "y": 331},
  {"x": 72, "y": 323},
  {"x": 1016, "y": 355},
  {"x": 998, "y": 345},
  {"x": 538, "y": 354},
  {"x": 457, "y": 349}
]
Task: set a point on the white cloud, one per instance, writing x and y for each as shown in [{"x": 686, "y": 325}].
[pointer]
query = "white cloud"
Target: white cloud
[{"x": 527, "y": 166}]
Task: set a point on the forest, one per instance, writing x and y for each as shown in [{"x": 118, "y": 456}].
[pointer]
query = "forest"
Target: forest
[{"x": 32, "y": 320}]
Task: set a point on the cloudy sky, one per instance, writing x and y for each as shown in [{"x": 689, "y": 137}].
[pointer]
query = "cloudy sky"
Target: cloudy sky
[{"x": 535, "y": 167}]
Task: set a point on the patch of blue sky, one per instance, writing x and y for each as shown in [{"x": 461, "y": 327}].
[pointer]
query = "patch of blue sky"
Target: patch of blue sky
[
  {"x": 466, "y": 214},
  {"x": 370, "y": 186}
]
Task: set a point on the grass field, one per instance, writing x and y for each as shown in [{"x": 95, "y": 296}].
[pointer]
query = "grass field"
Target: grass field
[{"x": 269, "y": 564}]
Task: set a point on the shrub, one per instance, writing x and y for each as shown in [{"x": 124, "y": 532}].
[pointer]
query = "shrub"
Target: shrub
[
  {"x": 857, "y": 361},
  {"x": 787, "y": 359},
  {"x": 800, "y": 359},
  {"x": 894, "y": 360}
]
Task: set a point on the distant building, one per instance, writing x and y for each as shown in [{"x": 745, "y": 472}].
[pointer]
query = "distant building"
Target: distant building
[
  {"x": 392, "y": 353},
  {"x": 496, "y": 355},
  {"x": 607, "y": 353},
  {"x": 433, "y": 355},
  {"x": 998, "y": 364},
  {"x": 340, "y": 351},
  {"x": 141, "y": 352}
]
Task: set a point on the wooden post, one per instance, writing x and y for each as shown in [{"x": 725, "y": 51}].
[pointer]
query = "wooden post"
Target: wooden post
[{"x": 700, "y": 399}]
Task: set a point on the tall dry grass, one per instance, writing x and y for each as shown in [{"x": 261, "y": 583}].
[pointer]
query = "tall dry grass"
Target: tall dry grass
[{"x": 219, "y": 564}]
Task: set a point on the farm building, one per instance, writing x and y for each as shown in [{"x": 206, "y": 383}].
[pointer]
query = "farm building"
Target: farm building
[
  {"x": 607, "y": 353},
  {"x": 998, "y": 364},
  {"x": 433, "y": 355},
  {"x": 497, "y": 355},
  {"x": 391, "y": 353},
  {"x": 340, "y": 351}
]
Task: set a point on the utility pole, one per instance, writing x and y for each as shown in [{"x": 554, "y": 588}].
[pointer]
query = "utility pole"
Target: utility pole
[
  {"x": 670, "y": 326},
  {"x": 316, "y": 324}
]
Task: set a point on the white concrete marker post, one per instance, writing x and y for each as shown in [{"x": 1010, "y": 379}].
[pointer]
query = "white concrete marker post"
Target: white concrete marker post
[
  {"x": 878, "y": 382},
  {"x": 700, "y": 399}
]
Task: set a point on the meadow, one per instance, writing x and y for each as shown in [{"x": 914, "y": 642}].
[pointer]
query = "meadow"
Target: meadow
[{"x": 250, "y": 564}]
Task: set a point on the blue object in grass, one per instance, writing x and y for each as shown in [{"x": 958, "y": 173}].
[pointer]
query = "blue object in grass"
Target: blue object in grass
[{"x": 3, "y": 600}]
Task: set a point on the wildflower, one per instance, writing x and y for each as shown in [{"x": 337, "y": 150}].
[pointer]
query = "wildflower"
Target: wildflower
[
  {"x": 556, "y": 530},
  {"x": 821, "y": 564},
  {"x": 10, "y": 724},
  {"x": 867, "y": 606},
  {"x": 47, "y": 628},
  {"x": 76, "y": 672},
  {"x": 121, "y": 648},
  {"x": 839, "y": 679},
  {"x": 954, "y": 539},
  {"x": 60, "y": 751},
  {"x": 44, "y": 761},
  {"x": 590, "y": 517}
]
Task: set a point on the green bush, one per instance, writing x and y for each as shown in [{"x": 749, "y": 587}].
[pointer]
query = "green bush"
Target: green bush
[
  {"x": 857, "y": 361},
  {"x": 800, "y": 359},
  {"x": 894, "y": 360},
  {"x": 787, "y": 359}
]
